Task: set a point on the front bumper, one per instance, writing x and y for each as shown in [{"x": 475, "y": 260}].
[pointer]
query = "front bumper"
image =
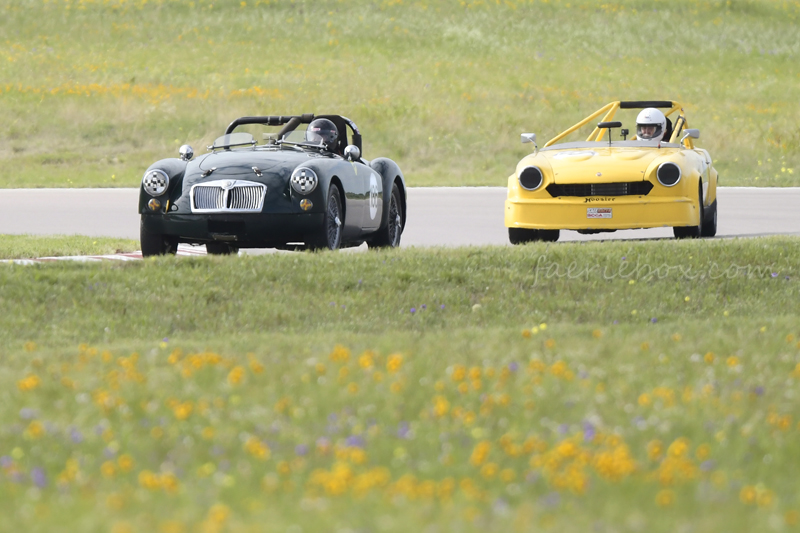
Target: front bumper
[
  {"x": 625, "y": 213},
  {"x": 245, "y": 231}
]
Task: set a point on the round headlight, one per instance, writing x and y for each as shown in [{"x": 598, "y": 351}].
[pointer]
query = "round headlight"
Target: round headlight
[
  {"x": 155, "y": 182},
  {"x": 304, "y": 180},
  {"x": 530, "y": 178},
  {"x": 668, "y": 174}
]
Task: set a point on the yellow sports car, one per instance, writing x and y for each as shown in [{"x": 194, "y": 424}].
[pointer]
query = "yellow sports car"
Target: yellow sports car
[{"x": 655, "y": 178}]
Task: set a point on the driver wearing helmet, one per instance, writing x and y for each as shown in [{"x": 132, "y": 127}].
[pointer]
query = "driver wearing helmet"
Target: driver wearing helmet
[
  {"x": 323, "y": 132},
  {"x": 650, "y": 125}
]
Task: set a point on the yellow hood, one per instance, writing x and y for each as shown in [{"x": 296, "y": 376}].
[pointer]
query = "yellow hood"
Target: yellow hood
[{"x": 602, "y": 165}]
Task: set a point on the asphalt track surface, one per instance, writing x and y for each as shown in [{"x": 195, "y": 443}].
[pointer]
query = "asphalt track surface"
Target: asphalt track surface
[{"x": 437, "y": 216}]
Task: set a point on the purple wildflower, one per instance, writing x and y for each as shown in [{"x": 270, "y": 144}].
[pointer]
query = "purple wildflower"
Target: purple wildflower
[
  {"x": 301, "y": 449},
  {"x": 513, "y": 366},
  {"x": 413, "y": 310},
  {"x": 551, "y": 500},
  {"x": 402, "y": 430},
  {"x": 26, "y": 413},
  {"x": 654, "y": 320},
  {"x": 6, "y": 461},
  {"x": 774, "y": 274},
  {"x": 707, "y": 466},
  {"x": 38, "y": 477},
  {"x": 758, "y": 391},
  {"x": 588, "y": 431},
  {"x": 355, "y": 441},
  {"x": 424, "y": 307}
]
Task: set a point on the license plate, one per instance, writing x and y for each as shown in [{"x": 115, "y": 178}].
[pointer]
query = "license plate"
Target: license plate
[{"x": 598, "y": 212}]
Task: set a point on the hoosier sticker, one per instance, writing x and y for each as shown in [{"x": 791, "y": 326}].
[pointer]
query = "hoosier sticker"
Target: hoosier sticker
[{"x": 598, "y": 212}]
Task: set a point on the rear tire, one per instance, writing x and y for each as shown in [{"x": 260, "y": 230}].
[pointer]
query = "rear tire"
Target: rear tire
[
  {"x": 156, "y": 243},
  {"x": 710, "y": 221},
  {"x": 329, "y": 235},
  {"x": 522, "y": 235},
  {"x": 389, "y": 235}
]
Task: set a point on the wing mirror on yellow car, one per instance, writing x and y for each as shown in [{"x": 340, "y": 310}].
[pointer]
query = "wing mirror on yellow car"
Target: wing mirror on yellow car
[
  {"x": 530, "y": 138},
  {"x": 693, "y": 133}
]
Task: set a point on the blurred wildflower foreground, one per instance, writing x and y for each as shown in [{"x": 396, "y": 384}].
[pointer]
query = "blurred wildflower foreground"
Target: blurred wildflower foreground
[{"x": 560, "y": 429}]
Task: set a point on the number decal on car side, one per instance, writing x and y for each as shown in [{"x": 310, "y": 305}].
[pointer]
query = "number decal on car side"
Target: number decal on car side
[{"x": 373, "y": 196}]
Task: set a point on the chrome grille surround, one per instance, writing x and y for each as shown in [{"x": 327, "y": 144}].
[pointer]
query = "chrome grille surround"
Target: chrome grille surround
[{"x": 228, "y": 196}]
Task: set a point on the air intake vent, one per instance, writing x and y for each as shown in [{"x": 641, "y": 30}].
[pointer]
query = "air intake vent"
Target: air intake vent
[{"x": 630, "y": 188}]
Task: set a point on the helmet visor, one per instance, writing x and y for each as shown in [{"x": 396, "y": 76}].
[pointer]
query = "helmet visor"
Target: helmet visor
[{"x": 646, "y": 132}]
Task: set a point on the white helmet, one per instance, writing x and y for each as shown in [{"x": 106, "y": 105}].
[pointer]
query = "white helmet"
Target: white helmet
[{"x": 650, "y": 125}]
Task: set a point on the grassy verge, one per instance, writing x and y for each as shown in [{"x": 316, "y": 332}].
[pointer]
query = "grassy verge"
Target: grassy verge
[
  {"x": 459, "y": 390},
  {"x": 94, "y": 92},
  {"x": 32, "y": 246}
]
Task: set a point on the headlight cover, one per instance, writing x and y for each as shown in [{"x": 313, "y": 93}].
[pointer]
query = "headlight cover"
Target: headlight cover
[
  {"x": 155, "y": 182},
  {"x": 668, "y": 174},
  {"x": 304, "y": 180},
  {"x": 531, "y": 178}
]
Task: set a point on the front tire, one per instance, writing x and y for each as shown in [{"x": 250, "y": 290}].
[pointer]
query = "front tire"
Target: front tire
[
  {"x": 221, "y": 248},
  {"x": 522, "y": 235},
  {"x": 692, "y": 232},
  {"x": 710, "y": 221},
  {"x": 156, "y": 243},
  {"x": 549, "y": 235},
  {"x": 389, "y": 235},
  {"x": 329, "y": 235}
]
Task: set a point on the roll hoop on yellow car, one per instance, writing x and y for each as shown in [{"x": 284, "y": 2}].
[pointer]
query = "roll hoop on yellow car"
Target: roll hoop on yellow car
[{"x": 604, "y": 184}]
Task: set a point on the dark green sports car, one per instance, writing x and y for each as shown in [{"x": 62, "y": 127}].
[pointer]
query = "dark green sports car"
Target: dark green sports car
[{"x": 303, "y": 187}]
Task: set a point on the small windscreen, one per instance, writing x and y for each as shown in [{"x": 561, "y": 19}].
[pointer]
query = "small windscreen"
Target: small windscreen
[{"x": 234, "y": 139}]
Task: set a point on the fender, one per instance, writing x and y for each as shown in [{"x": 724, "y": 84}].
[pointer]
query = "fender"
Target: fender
[
  {"x": 388, "y": 170},
  {"x": 175, "y": 169}
]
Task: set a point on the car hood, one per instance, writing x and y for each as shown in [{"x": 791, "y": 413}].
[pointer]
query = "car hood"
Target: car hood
[
  {"x": 602, "y": 165},
  {"x": 238, "y": 164}
]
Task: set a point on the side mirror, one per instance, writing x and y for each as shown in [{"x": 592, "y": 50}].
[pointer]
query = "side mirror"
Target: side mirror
[
  {"x": 352, "y": 153},
  {"x": 528, "y": 138},
  {"x": 186, "y": 152},
  {"x": 693, "y": 133}
]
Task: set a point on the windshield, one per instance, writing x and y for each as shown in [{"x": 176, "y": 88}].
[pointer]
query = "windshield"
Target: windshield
[
  {"x": 261, "y": 136},
  {"x": 234, "y": 139}
]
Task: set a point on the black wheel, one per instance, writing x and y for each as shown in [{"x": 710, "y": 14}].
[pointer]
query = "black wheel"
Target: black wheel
[
  {"x": 155, "y": 243},
  {"x": 522, "y": 235},
  {"x": 221, "y": 248},
  {"x": 549, "y": 235},
  {"x": 692, "y": 232},
  {"x": 389, "y": 235},
  {"x": 710, "y": 220},
  {"x": 329, "y": 234}
]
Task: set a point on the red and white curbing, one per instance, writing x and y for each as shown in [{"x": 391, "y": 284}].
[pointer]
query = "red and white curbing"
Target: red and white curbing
[{"x": 183, "y": 250}]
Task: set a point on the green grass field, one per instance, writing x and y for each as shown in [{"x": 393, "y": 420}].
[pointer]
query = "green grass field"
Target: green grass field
[
  {"x": 618, "y": 386},
  {"x": 93, "y": 91},
  {"x": 33, "y": 246}
]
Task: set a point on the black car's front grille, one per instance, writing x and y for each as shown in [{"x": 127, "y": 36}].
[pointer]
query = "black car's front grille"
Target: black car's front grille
[
  {"x": 629, "y": 188},
  {"x": 226, "y": 197}
]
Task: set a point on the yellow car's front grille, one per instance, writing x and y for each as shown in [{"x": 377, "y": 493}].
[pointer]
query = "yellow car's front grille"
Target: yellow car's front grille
[{"x": 631, "y": 188}]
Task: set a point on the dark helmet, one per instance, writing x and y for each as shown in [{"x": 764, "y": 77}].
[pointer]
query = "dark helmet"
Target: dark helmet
[{"x": 322, "y": 131}]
